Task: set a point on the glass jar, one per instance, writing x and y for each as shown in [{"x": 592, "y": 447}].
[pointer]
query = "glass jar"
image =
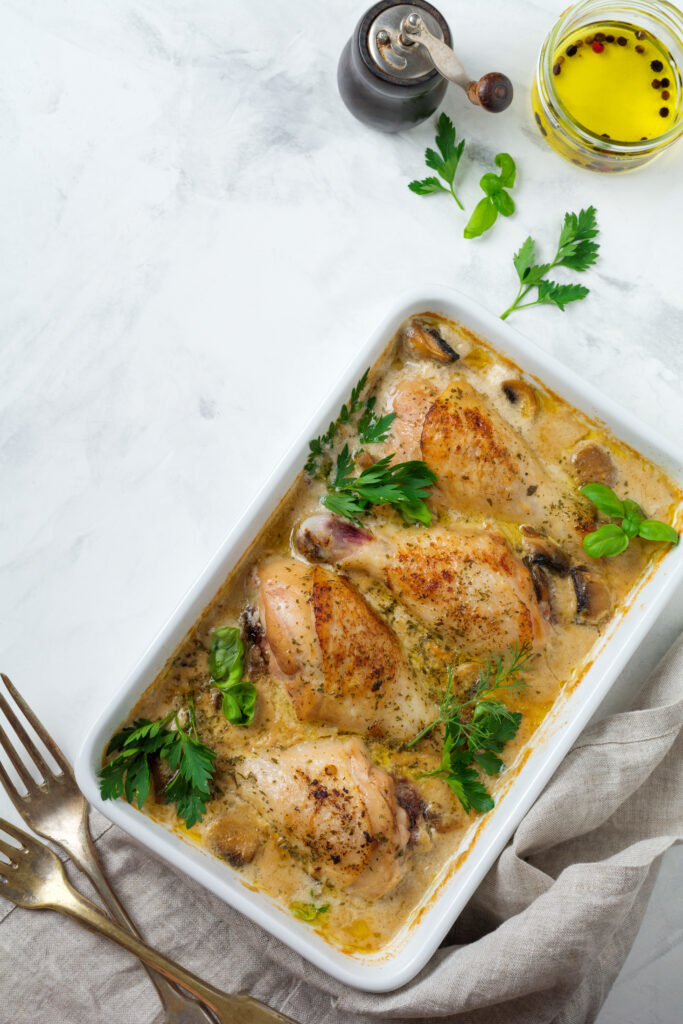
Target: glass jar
[{"x": 653, "y": 29}]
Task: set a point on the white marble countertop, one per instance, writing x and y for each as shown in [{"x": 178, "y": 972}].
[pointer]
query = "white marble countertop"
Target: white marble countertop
[{"x": 197, "y": 237}]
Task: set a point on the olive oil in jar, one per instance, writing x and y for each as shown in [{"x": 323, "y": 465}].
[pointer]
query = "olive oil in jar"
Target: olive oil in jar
[
  {"x": 617, "y": 81},
  {"x": 608, "y": 94}
]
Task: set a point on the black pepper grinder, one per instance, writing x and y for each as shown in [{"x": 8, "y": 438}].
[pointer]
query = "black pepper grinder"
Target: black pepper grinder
[{"x": 394, "y": 71}]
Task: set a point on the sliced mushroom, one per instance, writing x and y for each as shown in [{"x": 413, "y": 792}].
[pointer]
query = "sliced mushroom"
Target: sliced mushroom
[
  {"x": 235, "y": 838},
  {"x": 542, "y": 551},
  {"x": 593, "y": 598},
  {"x": 411, "y": 800},
  {"x": 521, "y": 394},
  {"x": 593, "y": 464},
  {"x": 542, "y": 588},
  {"x": 425, "y": 342}
]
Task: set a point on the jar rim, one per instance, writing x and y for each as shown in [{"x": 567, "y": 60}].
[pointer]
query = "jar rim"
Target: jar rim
[{"x": 662, "y": 10}]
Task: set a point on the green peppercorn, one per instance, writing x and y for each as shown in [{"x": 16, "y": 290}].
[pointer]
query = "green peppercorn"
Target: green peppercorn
[
  {"x": 665, "y": 94},
  {"x": 621, "y": 40},
  {"x": 640, "y": 49},
  {"x": 656, "y": 84},
  {"x": 556, "y": 69}
]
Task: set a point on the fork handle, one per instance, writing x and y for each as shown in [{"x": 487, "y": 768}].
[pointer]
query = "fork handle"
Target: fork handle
[
  {"x": 229, "y": 1009},
  {"x": 82, "y": 851}
]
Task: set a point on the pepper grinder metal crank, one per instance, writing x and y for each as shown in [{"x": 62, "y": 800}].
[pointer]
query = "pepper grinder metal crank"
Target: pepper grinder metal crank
[{"x": 394, "y": 71}]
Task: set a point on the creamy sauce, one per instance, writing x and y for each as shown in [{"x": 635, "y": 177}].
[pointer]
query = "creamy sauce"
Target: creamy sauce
[{"x": 353, "y": 922}]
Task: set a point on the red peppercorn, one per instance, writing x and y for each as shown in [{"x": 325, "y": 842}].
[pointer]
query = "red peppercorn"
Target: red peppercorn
[{"x": 598, "y": 47}]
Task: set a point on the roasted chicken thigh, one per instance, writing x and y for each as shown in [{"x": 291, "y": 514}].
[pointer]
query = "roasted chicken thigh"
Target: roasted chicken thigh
[
  {"x": 341, "y": 664},
  {"x": 337, "y": 808},
  {"x": 464, "y": 583}
]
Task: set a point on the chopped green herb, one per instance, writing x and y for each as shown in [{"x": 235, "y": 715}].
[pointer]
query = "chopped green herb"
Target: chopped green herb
[
  {"x": 575, "y": 250},
  {"x": 307, "y": 911}
]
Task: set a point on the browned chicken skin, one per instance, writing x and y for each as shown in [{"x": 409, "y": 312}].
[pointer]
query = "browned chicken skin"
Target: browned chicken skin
[
  {"x": 341, "y": 663},
  {"x": 333, "y": 805},
  {"x": 482, "y": 463},
  {"x": 466, "y": 583}
]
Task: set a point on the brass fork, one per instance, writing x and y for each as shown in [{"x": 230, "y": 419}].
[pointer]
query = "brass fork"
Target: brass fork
[
  {"x": 33, "y": 877},
  {"x": 57, "y": 810}
]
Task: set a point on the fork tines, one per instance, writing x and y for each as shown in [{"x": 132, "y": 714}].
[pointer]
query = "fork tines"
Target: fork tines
[{"x": 29, "y": 745}]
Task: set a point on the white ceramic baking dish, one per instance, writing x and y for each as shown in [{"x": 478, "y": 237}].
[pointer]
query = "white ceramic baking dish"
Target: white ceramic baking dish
[{"x": 417, "y": 942}]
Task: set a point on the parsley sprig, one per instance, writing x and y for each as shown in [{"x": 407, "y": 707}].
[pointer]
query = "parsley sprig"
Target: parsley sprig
[
  {"x": 226, "y": 665},
  {"x": 575, "y": 250},
  {"x": 445, "y": 162},
  {"x": 371, "y": 429},
  {"x": 611, "y": 539},
  {"x": 128, "y": 773},
  {"x": 496, "y": 199},
  {"x": 476, "y": 730},
  {"x": 405, "y": 485}
]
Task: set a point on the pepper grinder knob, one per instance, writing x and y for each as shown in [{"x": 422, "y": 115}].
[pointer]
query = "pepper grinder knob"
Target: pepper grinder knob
[{"x": 493, "y": 91}]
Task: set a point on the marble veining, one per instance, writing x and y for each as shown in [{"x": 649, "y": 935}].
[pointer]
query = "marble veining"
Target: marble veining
[{"x": 196, "y": 239}]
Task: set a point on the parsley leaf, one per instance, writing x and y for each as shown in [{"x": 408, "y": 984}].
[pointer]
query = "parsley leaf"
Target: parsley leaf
[
  {"x": 226, "y": 665},
  {"x": 445, "y": 162},
  {"x": 575, "y": 250},
  {"x": 128, "y": 774},
  {"x": 371, "y": 429},
  {"x": 405, "y": 485},
  {"x": 476, "y": 730},
  {"x": 496, "y": 199},
  {"x": 611, "y": 539}
]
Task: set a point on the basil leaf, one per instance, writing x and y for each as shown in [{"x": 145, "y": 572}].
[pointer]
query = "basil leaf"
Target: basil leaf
[
  {"x": 604, "y": 499},
  {"x": 483, "y": 217},
  {"x": 630, "y": 528},
  {"x": 508, "y": 169},
  {"x": 226, "y": 654},
  {"x": 633, "y": 511},
  {"x": 606, "y": 542},
  {"x": 239, "y": 703},
  {"x": 504, "y": 203},
  {"x": 653, "y": 529},
  {"x": 490, "y": 183}
]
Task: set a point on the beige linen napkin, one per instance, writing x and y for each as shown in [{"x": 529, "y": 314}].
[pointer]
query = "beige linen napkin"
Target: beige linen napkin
[{"x": 541, "y": 940}]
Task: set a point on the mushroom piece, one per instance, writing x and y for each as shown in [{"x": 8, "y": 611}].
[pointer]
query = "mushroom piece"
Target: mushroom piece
[
  {"x": 521, "y": 394},
  {"x": 593, "y": 598},
  {"x": 542, "y": 551},
  {"x": 593, "y": 464},
  {"x": 411, "y": 800},
  {"x": 235, "y": 838},
  {"x": 425, "y": 342},
  {"x": 542, "y": 589}
]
